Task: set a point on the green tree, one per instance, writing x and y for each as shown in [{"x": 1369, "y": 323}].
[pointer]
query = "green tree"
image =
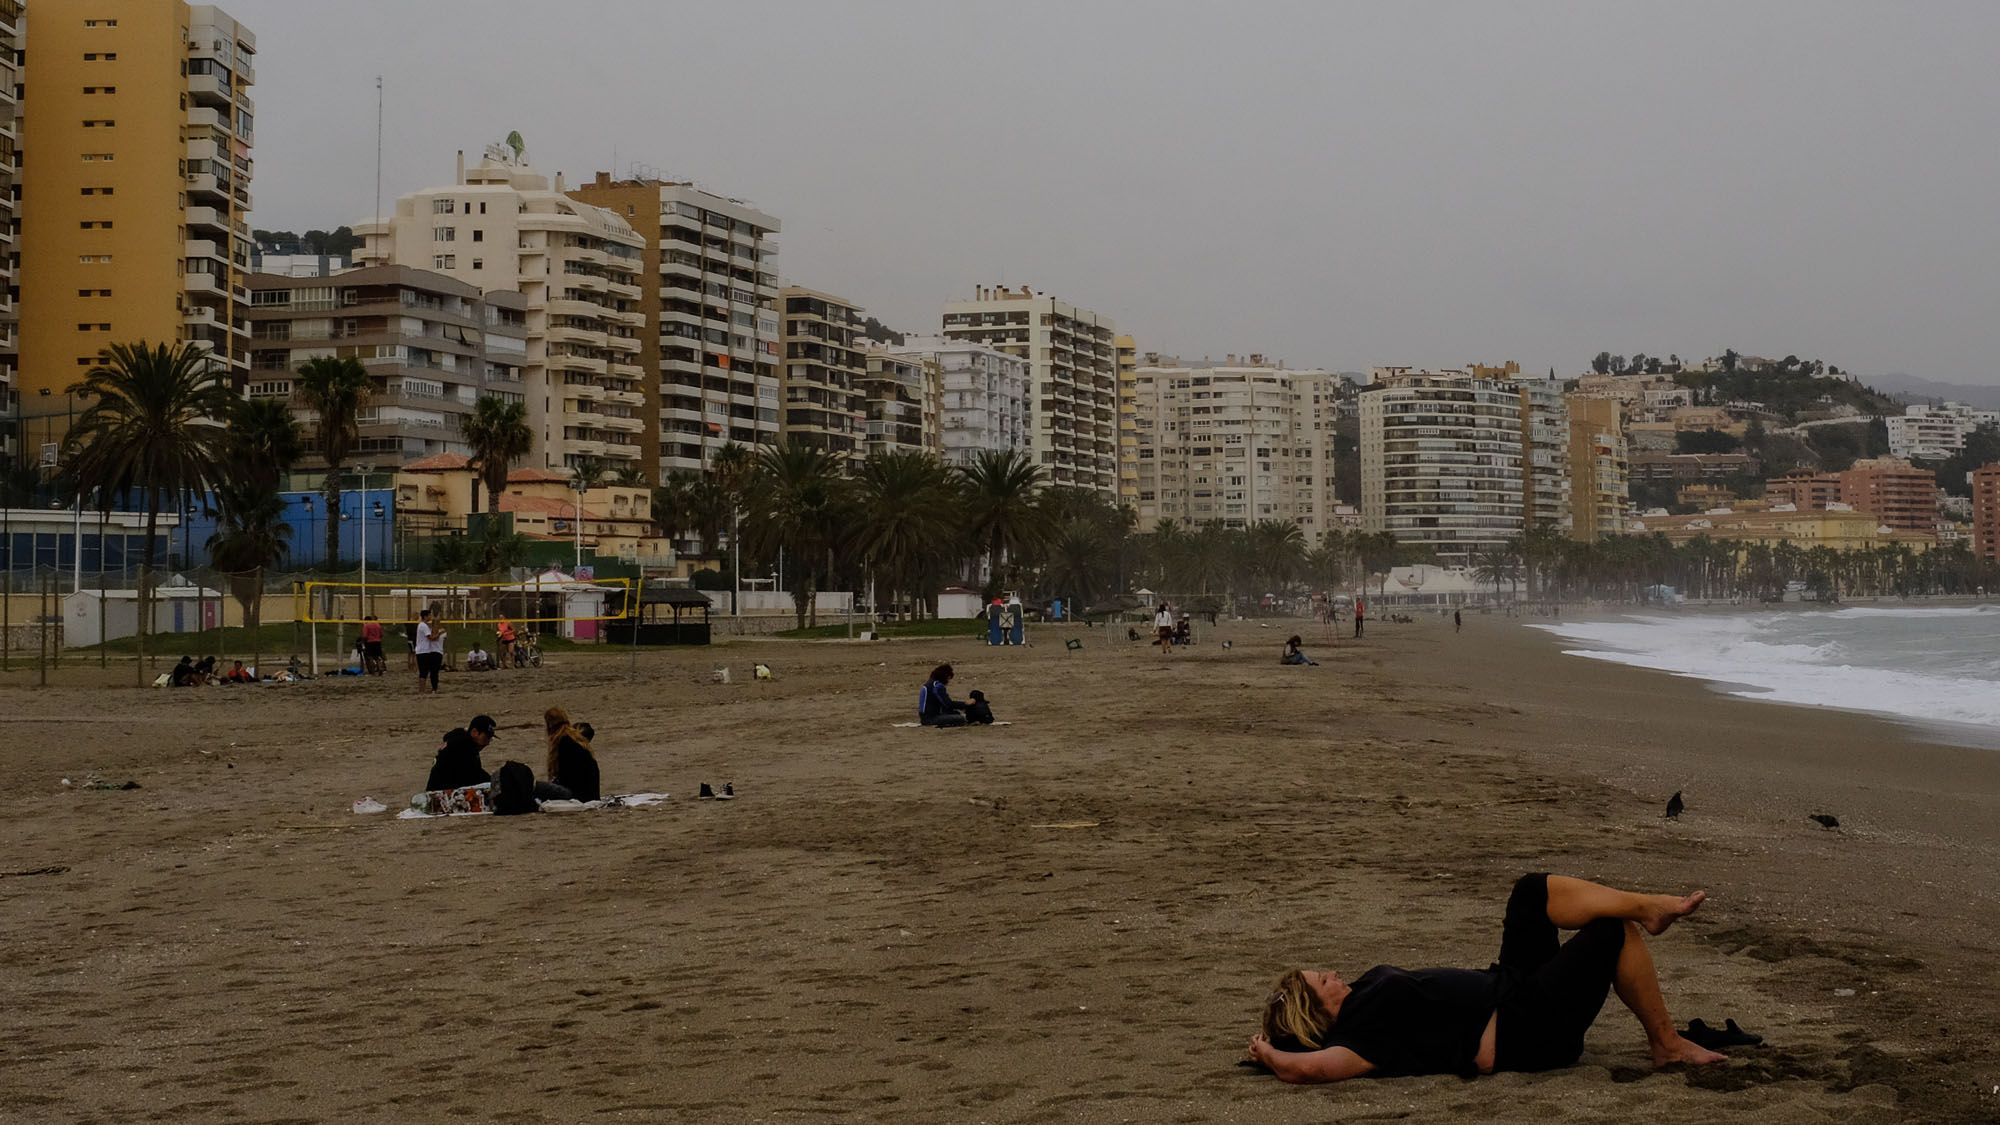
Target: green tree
[
  {"x": 151, "y": 426},
  {"x": 904, "y": 525},
  {"x": 251, "y": 536},
  {"x": 334, "y": 389},
  {"x": 797, "y": 503},
  {"x": 264, "y": 442},
  {"x": 498, "y": 433},
  {"x": 1000, "y": 489}
]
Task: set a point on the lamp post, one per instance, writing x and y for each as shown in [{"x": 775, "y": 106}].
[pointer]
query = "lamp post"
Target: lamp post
[{"x": 577, "y": 522}]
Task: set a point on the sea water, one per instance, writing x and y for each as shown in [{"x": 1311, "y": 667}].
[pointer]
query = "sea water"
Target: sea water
[{"x": 1930, "y": 665}]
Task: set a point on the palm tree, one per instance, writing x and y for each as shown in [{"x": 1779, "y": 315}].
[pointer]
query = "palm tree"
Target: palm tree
[
  {"x": 629, "y": 476},
  {"x": 904, "y": 523},
  {"x": 798, "y": 503},
  {"x": 151, "y": 426},
  {"x": 1078, "y": 563},
  {"x": 264, "y": 441},
  {"x": 1000, "y": 488},
  {"x": 251, "y": 537},
  {"x": 497, "y": 430},
  {"x": 1277, "y": 551},
  {"x": 334, "y": 389},
  {"x": 588, "y": 473}
]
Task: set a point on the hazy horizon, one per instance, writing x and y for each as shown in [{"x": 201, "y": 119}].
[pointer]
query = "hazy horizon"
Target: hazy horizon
[{"x": 1339, "y": 186}]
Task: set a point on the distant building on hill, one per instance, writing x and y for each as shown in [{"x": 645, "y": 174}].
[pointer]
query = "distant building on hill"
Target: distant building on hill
[
  {"x": 1935, "y": 432},
  {"x": 1903, "y": 496},
  {"x": 1839, "y": 528}
]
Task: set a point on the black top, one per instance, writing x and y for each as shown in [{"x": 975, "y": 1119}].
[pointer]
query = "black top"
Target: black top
[
  {"x": 576, "y": 770},
  {"x": 1425, "y": 1021},
  {"x": 457, "y": 764}
]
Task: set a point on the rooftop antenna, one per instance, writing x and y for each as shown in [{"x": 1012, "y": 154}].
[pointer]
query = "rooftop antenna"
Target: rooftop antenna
[{"x": 378, "y": 148}]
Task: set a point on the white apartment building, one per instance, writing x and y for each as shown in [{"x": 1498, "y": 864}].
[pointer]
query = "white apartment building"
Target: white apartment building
[
  {"x": 1935, "y": 432},
  {"x": 984, "y": 397},
  {"x": 502, "y": 226},
  {"x": 1073, "y": 374},
  {"x": 1235, "y": 443},
  {"x": 1452, "y": 461}
]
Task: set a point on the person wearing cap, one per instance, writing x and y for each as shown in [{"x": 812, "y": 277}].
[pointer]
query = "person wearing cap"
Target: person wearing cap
[{"x": 457, "y": 764}]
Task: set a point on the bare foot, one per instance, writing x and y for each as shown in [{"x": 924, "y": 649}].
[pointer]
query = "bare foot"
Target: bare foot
[
  {"x": 1667, "y": 909},
  {"x": 1678, "y": 1050}
]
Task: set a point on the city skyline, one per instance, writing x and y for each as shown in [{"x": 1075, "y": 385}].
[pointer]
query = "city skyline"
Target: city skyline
[{"x": 1342, "y": 188}]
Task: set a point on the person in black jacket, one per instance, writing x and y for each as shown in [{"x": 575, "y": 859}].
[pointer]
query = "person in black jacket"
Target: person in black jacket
[
  {"x": 571, "y": 768},
  {"x": 457, "y": 764}
]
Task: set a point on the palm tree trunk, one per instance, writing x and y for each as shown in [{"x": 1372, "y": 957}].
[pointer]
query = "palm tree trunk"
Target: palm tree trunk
[
  {"x": 145, "y": 598},
  {"x": 332, "y": 492},
  {"x": 256, "y": 614}
]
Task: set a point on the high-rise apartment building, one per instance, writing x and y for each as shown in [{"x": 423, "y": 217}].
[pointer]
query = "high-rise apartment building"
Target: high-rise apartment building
[
  {"x": 1235, "y": 443},
  {"x": 135, "y": 184},
  {"x": 1599, "y": 485},
  {"x": 900, "y": 395},
  {"x": 710, "y": 301},
  {"x": 1450, "y": 460},
  {"x": 984, "y": 397},
  {"x": 12, "y": 18},
  {"x": 1986, "y": 512},
  {"x": 1935, "y": 432},
  {"x": 1545, "y": 478},
  {"x": 1126, "y": 352},
  {"x": 433, "y": 346},
  {"x": 1805, "y": 491},
  {"x": 501, "y": 226},
  {"x": 1898, "y": 493},
  {"x": 1073, "y": 369},
  {"x": 822, "y": 371}
]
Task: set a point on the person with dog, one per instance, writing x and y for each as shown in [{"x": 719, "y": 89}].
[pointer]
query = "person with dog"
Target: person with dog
[
  {"x": 935, "y": 706},
  {"x": 1528, "y": 1012}
]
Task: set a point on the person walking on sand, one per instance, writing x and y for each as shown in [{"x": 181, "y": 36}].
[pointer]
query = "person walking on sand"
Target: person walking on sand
[
  {"x": 1163, "y": 627},
  {"x": 372, "y": 661},
  {"x": 430, "y": 652},
  {"x": 1457, "y": 622},
  {"x": 1528, "y": 1012},
  {"x": 1360, "y": 616}
]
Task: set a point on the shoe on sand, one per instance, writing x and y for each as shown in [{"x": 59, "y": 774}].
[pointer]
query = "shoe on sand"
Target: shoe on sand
[
  {"x": 1716, "y": 1038},
  {"x": 728, "y": 792},
  {"x": 706, "y": 793}
]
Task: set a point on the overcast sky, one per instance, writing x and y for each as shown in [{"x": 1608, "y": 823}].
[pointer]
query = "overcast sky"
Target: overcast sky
[{"x": 1340, "y": 185}]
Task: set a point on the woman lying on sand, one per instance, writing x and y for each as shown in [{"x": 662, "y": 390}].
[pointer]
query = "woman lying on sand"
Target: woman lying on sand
[{"x": 1528, "y": 1012}]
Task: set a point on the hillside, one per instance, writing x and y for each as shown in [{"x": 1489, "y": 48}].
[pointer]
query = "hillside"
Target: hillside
[
  {"x": 1911, "y": 388},
  {"x": 1791, "y": 393}
]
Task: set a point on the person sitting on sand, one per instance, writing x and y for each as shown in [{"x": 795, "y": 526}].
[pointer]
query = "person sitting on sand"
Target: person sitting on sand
[
  {"x": 183, "y": 673},
  {"x": 1527, "y": 1012},
  {"x": 936, "y": 707},
  {"x": 458, "y": 764},
  {"x": 1294, "y": 654},
  {"x": 1184, "y": 631},
  {"x": 238, "y": 674},
  {"x": 571, "y": 767},
  {"x": 204, "y": 671},
  {"x": 477, "y": 660}
]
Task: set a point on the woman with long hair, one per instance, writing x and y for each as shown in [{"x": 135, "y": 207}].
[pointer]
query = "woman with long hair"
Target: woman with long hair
[
  {"x": 1527, "y": 1012},
  {"x": 571, "y": 767}
]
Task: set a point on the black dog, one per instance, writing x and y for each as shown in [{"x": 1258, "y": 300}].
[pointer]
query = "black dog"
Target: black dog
[{"x": 979, "y": 711}]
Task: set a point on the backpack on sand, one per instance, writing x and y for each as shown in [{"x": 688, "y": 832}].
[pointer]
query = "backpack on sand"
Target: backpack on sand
[{"x": 516, "y": 786}]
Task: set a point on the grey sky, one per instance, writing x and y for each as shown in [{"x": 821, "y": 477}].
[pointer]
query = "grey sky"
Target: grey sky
[{"x": 1338, "y": 184}]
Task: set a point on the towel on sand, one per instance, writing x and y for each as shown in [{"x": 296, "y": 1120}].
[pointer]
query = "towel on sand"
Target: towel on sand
[{"x": 620, "y": 801}]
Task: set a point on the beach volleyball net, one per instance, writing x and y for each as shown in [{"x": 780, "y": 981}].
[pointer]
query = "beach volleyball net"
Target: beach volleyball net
[{"x": 528, "y": 603}]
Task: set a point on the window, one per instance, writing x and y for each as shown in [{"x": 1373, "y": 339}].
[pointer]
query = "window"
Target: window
[
  {"x": 93, "y": 259},
  {"x": 479, "y": 263},
  {"x": 98, "y": 123},
  {"x": 97, "y": 191},
  {"x": 443, "y": 206},
  {"x": 93, "y": 328},
  {"x": 478, "y": 236},
  {"x": 444, "y": 262},
  {"x": 100, "y": 89},
  {"x": 98, "y": 225},
  {"x": 444, "y": 234},
  {"x": 93, "y": 292},
  {"x": 100, "y": 23},
  {"x": 100, "y": 56}
]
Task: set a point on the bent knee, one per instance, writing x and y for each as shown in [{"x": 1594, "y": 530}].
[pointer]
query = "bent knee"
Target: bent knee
[{"x": 1610, "y": 931}]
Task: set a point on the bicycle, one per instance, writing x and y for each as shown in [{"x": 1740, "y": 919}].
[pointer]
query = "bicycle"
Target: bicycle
[{"x": 527, "y": 652}]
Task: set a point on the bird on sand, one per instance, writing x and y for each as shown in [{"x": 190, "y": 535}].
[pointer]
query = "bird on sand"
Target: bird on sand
[
  {"x": 1825, "y": 821},
  {"x": 1675, "y": 805}
]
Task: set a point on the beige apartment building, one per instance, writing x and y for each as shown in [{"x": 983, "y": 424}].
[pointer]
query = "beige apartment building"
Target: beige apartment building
[
  {"x": 823, "y": 372},
  {"x": 1599, "y": 485},
  {"x": 432, "y": 345},
  {"x": 136, "y": 133},
  {"x": 502, "y": 226},
  {"x": 710, "y": 301},
  {"x": 12, "y": 20},
  {"x": 902, "y": 395},
  {"x": 1126, "y": 351},
  {"x": 1073, "y": 371},
  {"x": 1235, "y": 443}
]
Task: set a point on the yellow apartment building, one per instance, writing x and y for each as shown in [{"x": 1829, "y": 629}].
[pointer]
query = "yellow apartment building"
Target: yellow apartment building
[{"x": 135, "y": 187}]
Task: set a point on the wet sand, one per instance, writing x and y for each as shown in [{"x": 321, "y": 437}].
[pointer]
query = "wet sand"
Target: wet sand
[{"x": 1072, "y": 918}]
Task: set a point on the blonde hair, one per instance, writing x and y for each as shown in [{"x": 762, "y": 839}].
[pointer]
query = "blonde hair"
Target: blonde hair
[
  {"x": 1293, "y": 1018},
  {"x": 556, "y": 720}
]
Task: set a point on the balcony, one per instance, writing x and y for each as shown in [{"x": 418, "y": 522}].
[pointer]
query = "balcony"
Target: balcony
[{"x": 203, "y": 283}]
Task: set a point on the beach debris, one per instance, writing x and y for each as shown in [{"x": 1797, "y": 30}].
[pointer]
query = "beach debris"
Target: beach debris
[
  {"x": 1675, "y": 805},
  {"x": 369, "y": 806},
  {"x": 719, "y": 675},
  {"x": 1843, "y": 992},
  {"x": 1825, "y": 820},
  {"x": 763, "y": 672},
  {"x": 1227, "y": 645},
  {"x": 95, "y": 782}
]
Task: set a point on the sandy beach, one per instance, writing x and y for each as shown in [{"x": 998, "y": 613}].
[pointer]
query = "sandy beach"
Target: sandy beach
[{"x": 1071, "y": 918}]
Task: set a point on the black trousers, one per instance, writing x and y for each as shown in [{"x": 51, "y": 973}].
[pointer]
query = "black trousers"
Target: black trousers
[
  {"x": 1550, "y": 990},
  {"x": 428, "y": 664}
]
